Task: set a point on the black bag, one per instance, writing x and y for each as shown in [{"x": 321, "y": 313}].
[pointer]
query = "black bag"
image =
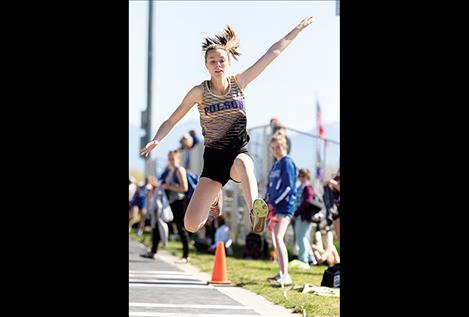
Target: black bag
[
  {"x": 253, "y": 246},
  {"x": 331, "y": 276},
  {"x": 312, "y": 212}
]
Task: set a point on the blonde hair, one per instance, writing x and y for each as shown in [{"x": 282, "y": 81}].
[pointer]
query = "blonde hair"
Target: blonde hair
[
  {"x": 227, "y": 41},
  {"x": 280, "y": 138},
  {"x": 281, "y": 130}
]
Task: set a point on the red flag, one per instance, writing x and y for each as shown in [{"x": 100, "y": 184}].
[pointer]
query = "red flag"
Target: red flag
[{"x": 319, "y": 122}]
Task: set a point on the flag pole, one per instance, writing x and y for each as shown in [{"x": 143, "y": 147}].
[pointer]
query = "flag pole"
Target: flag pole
[
  {"x": 324, "y": 162},
  {"x": 318, "y": 144}
]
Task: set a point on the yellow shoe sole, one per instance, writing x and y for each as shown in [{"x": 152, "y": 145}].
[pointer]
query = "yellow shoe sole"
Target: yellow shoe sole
[{"x": 259, "y": 213}]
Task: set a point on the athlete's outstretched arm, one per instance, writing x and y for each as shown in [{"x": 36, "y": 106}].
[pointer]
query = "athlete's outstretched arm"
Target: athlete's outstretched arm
[
  {"x": 192, "y": 97},
  {"x": 245, "y": 77}
]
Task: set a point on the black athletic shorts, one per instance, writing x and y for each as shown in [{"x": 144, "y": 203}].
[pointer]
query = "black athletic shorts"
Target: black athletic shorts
[{"x": 217, "y": 163}]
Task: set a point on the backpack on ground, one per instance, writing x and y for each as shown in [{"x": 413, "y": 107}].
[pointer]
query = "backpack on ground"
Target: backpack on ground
[
  {"x": 255, "y": 247},
  {"x": 331, "y": 276}
]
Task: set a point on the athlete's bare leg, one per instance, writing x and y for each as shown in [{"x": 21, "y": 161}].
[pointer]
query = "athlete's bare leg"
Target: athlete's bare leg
[
  {"x": 206, "y": 192},
  {"x": 242, "y": 171}
]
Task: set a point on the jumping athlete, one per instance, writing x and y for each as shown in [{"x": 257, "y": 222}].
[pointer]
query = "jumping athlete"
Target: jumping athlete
[{"x": 222, "y": 110}]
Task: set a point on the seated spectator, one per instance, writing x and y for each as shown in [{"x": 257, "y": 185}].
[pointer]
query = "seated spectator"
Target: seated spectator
[
  {"x": 324, "y": 249},
  {"x": 222, "y": 234}
]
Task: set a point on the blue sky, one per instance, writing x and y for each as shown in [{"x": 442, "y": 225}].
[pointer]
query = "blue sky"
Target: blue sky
[{"x": 286, "y": 89}]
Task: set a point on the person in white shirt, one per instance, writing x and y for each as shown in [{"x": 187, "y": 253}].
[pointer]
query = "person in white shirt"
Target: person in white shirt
[{"x": 222, "y": 234}]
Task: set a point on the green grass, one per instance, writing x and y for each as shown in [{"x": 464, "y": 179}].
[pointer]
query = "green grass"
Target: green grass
[{"x": 252, "y": 275}]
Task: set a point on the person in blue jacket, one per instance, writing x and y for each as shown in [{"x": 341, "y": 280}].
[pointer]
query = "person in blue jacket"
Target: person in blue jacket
[
  {"x": 139, "y": 205},
  {"x": 281, "y": 197}
]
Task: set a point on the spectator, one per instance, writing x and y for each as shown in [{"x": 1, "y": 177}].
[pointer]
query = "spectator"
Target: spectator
[
  {"x": 185, "y": 149},
  {"x": 132, "y": 190},
  {"x": 175, "y": 184},
  {"x": 280, "y": 131},
  {"x": 332, "y": 201},
  {"x": 157, "y": 203},
  {"x": 324, "y": 249},
  {"x": 304, "y": 217},
  {"x": 195, "y": 138},
  {"x": 139, "y": 205},
  {"x": 281, "y": 195},
  {"x": 222, "y": 234}
]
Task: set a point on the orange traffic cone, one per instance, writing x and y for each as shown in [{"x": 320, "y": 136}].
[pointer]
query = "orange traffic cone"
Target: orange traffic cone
[{"x": 219, "y": 274}]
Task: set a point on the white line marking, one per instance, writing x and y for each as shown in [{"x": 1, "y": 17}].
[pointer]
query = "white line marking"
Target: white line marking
[
  {"x": 148, "y": 314},
  {"x": 171, "y": 285},
  {"x": 167, "y": 281},
  {"x": 181, "y": 277},
  {"x": 188, "y": 306},
  {"x": 157, "y": 272}
]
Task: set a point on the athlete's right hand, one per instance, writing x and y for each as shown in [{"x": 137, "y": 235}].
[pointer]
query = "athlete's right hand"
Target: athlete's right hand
[{"x": 150, "y": 146}]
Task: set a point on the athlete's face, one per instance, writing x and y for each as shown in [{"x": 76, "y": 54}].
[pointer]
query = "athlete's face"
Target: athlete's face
[
  {"x": 217, "y": 63},
  {"x": 279, "y": 149}
]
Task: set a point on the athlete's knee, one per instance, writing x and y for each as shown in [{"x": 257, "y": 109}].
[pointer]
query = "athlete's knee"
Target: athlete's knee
[
  {"x": 190, "y": 225},
  {"x": 190, "y": 228}
]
